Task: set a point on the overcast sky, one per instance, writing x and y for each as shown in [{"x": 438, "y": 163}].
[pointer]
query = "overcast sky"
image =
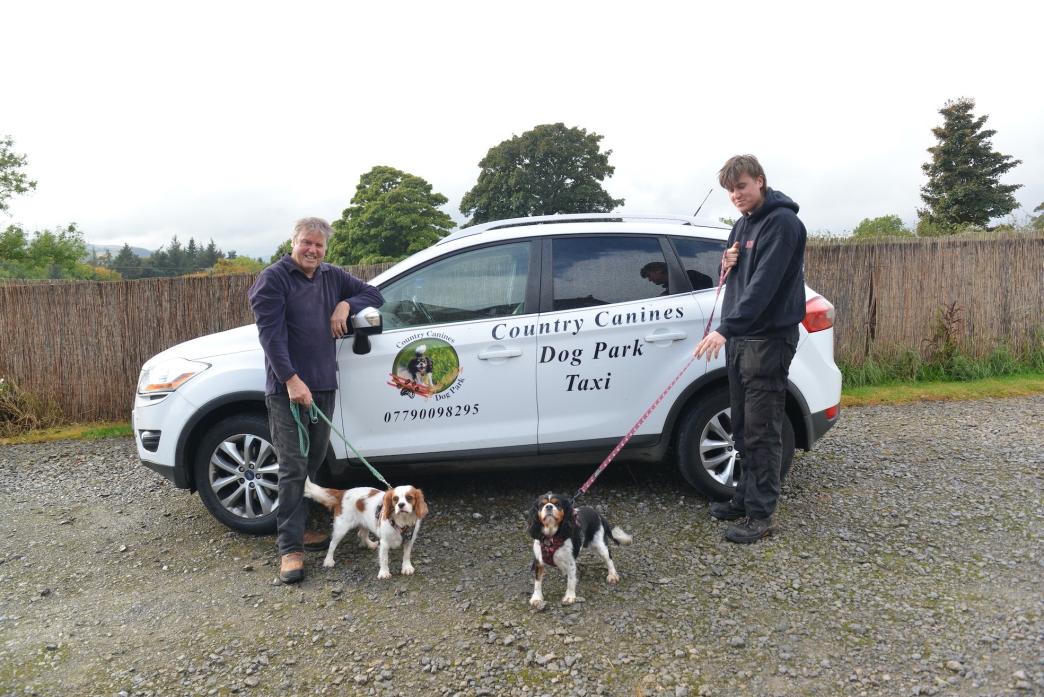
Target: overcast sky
[{"x": 230, "y": 120}]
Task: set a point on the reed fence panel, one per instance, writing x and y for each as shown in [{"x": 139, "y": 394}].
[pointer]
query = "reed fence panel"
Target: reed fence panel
[{"x": 82, "y": 344}]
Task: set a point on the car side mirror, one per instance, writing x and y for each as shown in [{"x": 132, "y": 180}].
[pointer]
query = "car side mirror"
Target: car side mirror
[{"x": 365, "y": 322}]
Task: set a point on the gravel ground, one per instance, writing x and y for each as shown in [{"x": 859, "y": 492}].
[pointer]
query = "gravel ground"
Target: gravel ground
[{"x": 909, "y": 563}]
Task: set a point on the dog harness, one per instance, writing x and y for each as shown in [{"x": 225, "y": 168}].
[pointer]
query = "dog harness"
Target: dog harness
[
  {"x": 550, "y": 545},
  {"x": 406, "y": 531}
]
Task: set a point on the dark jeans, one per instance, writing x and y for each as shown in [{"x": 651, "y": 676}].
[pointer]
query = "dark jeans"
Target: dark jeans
[
  {"x": 292, "y": 513},
  {"x": 758, "y": 369}
]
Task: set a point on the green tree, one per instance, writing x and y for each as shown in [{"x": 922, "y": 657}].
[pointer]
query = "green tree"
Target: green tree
[
  {"x": 282, "y": 249},
  {"x": 392, "y": 215},
  {"x": 13, "y": 244},
  {"x": 963, "y": 175},
  {"x": 209, "y": 255},
  {"x": 884, "y": 226},
  {"x": 127, "y": 264},
  {"x": 58, "y": 252},
  {"x": 12, "y": 179},
  {"x": 1038, "y": 222},
  {"x": 550, "y": 169}
]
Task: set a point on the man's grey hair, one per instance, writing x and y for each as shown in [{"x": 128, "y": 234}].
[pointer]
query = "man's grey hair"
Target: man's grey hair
[
  {"x": 312, "y": 225},
  {"x": 736, "y": 167}
]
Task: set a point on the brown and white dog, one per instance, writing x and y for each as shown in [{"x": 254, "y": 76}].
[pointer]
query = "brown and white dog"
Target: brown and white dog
[
  {"x": 394, "y": 518},
  {"x": 560, "y": 531}
]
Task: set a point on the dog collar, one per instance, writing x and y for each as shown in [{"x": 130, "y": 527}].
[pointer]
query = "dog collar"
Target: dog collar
[{"x": 406, "y": 531}]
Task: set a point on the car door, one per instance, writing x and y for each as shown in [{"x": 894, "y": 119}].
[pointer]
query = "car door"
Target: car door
[
  {"x": 620, "y": 322},
  {"x": 443, "y": 378}
]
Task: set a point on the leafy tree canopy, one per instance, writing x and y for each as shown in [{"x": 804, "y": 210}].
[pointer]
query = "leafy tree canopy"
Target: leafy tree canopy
[
  {"x": 884, "y": 226},
  {"x": 550, "y": 169},
  {"x": 282, "y": 249},
  {"x": 392, "y": 215},
  {"x": 1038, "y": 222},
  {"x": 963, "y": 175},
  {"x": 12, "y": 178},
  {"x": 57, "y": 253},
  {"x": 231, "y": 267}
]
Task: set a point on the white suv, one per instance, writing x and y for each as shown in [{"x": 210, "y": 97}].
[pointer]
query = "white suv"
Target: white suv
[{"x": 515, "y": 343}]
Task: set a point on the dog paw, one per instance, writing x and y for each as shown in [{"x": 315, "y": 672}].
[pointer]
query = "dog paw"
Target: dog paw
[
  {"x": 537, "y": 603},
  {"x": 383, "y": 573},
  {"x": 613, "y": 578},
  {"x": 568, "y": 599},
  {"x": 328, "y": 563},
  {"x": 407, "y": 569}
]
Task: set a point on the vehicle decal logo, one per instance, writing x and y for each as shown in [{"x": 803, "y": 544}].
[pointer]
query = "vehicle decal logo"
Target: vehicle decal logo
[{"x": 426, "y": 367}]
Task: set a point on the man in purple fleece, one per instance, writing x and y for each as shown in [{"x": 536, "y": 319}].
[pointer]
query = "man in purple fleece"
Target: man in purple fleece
[{"x": 302, "y": 306}]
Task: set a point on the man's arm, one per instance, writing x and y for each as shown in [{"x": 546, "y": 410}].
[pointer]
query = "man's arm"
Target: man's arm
[
  {"x": 268, "y": 301},
  {"x": 356, "y": 294},
  {"x": 776, "y": 245}
]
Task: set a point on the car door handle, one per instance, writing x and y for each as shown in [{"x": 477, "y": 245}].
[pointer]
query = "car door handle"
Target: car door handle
[
  {"x": 666, "y": 335},
  {"x": 493, "y": 354}
]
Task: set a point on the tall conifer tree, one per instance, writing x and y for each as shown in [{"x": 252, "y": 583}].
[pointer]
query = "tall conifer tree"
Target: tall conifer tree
[{"x": 963, "y": 175}]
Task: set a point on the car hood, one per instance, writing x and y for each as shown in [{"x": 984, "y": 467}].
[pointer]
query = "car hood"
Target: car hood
[{"x": 238, "y": 340}]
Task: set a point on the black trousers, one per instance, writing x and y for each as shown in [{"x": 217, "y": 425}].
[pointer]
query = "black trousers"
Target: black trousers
[
  {"x": 293, "y": 510},
  {"x": 758, "y": 369}
]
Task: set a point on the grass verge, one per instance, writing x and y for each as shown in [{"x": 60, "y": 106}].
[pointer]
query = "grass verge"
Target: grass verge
[
  {"x": 1020, "y": 385},
  {"x": 92, "y": 431}
]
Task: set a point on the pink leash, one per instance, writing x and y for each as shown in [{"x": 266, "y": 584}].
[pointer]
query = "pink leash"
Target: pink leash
[{"x": 641, "y": 420}]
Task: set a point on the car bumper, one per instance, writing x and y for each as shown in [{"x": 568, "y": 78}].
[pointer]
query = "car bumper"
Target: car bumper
[
  {"x": 157, "y": 425},
  {"x": 822, "y": 421}
]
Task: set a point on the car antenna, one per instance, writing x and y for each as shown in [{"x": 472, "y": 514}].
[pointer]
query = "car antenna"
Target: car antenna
[{"x": 711, "y": 191}]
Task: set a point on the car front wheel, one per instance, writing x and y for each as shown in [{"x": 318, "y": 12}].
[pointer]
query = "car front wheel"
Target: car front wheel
[
  {"x": 237, "y": 474},
  {"x": 706, "y": 454}
]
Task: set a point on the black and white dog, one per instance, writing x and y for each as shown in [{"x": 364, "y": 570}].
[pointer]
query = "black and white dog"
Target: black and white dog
[
  {"x": 421, "y": 367},
  {"x": 559, "y": 533}
]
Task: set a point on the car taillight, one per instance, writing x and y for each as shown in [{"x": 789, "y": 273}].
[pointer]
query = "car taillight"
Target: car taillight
[
  {"x": 819, "y": 314},
  {"x": 832, "y": 412}
]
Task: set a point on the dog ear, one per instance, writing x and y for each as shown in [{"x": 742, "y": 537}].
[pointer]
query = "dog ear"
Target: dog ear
[
  {"x": 567, "y": 512},
  {"x": 536, "y": 528},
  {"x": 388, "y": 508},
  {"x": 420, "y": 506}
]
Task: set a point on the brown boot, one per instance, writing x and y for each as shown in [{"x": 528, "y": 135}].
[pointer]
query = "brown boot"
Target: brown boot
[
  {"x": 315, "y": 541},
  {"x": 291, "y": 567}
]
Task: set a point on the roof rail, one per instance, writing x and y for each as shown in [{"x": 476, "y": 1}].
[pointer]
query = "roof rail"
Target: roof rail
[{"x": 573, "y": 218}]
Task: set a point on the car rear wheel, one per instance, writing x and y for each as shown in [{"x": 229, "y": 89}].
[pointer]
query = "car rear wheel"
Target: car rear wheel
[
  {"x": 237, "y": 474},
  {"x": 706, "y": 453}
]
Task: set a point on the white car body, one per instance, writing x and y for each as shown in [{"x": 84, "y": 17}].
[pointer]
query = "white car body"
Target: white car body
[{"x": 534, "y": 384}]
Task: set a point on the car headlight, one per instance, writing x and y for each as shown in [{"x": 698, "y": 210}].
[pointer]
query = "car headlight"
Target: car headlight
[{"x": 169, "y": 375}]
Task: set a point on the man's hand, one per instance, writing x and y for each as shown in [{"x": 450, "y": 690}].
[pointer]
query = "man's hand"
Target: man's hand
[
  {"x": 299, "y": 392},
  {"x": 731, "y": 256},
  {"x": 710, "y": 345},
  {"x": 339, "y": 319}
]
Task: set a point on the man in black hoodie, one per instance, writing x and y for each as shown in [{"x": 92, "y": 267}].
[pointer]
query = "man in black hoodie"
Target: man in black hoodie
[{"x": 763, "y": 304}]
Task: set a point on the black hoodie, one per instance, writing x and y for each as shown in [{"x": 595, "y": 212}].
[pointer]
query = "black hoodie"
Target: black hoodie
[{"x": 765, "y": 291}]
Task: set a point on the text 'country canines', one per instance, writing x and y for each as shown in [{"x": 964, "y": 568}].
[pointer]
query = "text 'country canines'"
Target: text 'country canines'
[{"x": 573, "y": 326}]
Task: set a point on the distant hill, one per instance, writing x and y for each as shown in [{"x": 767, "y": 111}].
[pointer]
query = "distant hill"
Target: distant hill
[{"x": 114, "y": 249}]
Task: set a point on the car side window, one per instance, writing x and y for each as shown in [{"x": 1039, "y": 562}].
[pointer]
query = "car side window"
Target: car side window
[
  {"x": 590, "y": 271},
  {"x": 475, "y": 284},
  {"x": 701, "y": 260}
]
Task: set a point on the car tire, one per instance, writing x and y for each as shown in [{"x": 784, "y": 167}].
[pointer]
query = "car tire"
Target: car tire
[
  {"x": 706, "y": 456},
  {"x": 237, "y": 474}
]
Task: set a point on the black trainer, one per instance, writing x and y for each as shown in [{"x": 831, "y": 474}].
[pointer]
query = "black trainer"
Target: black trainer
[
  {"x": 726, "y": 510},
  {"x": 751, "y": 530}
]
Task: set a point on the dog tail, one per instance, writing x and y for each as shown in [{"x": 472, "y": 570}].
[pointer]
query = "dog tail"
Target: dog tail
[
  {"x": 319, "y": 494},
  {"x": 619, "y": 536}
]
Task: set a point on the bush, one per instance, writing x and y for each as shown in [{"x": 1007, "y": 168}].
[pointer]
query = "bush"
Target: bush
[{"x": 21, "y": 412}]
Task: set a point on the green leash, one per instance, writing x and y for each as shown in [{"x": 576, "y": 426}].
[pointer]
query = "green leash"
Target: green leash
[{"x": 304, "y": 442}]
